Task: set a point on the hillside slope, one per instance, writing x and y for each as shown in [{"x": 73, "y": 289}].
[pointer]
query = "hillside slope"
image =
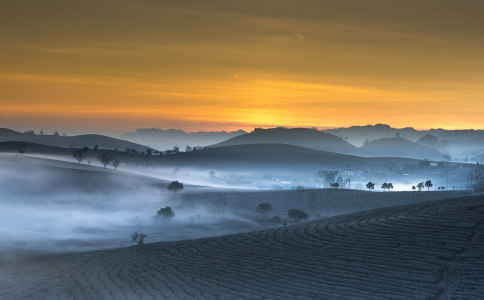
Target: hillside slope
[
  {"x": 301, "y": 137},
  {"x": 432, "y": 249},
  {"x": 399, "y": 147},
  {"x": 77, "y": 141}
]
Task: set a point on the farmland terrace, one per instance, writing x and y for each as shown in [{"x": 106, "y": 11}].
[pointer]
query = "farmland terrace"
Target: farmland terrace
[{"x": 427, "y": 250}]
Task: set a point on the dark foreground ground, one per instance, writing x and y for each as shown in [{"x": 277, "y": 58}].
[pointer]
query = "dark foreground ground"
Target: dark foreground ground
[{"x": 430, "y": 250}]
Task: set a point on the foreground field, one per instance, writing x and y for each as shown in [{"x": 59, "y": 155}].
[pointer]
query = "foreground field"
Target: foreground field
[{"x": 431, "y": 249}]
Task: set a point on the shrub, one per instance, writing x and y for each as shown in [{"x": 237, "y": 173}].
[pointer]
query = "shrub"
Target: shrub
[
  {"x": 138, "y": 237},
  {"x": 165, "y": 213},
  {"x": 175, "y": 186},
  {"x": 297, "y": 214}
]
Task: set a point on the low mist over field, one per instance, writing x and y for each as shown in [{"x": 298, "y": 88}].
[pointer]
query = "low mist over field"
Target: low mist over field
[{"x": 241, "y": 149}]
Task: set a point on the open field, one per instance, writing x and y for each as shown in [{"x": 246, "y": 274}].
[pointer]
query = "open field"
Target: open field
[{"x": 405, "y": 252}]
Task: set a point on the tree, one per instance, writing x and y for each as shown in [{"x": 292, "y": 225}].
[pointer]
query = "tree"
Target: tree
[
  {"x": 80, "y": 154},
  {"x": 297, "y": 214},
  {"x": 420, "y": 186},
  {"x": 328, "y": 177},
  {"x": 115, "y": 163},
  {"x": 138, "y": 237},
  {"x": 175, "y": 186},
  {"x": 413, "y": 187},
  {"x": 105, "y": 158},
  {"x": 263, "y": 208},
  {"x": 334, "y": 185},
  {"x": 370, "y": 186},
  {"x": 176, "y": 149},
  {"x": 441, "y": 188},
  {"x": 428, "y": 184},
  {"x": 21, "y": 150},
  {"x": 390, "y": 186},
  {"x": 475, "y": 177},
  {"x": 96, "y": 147},
  {"x": 165, "y": 213},
  {"x": 384, "y": 186}
]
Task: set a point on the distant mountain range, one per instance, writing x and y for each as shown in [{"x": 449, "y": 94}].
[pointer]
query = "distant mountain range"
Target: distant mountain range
[
  {"x": 368, "y": 141},
  {"x": 166, "y": 139},
  {"x": 314, "y": 139},
  {"x": 453, "y": 142}
]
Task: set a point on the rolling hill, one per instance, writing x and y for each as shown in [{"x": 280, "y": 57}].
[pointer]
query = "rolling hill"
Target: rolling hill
[
  {"x": 78, "y": 141},
  {"x": 167, "y": 139},
  {"x": 431, "y": 250},
  {"x": 398, "y": 147},
  {"x": 302, "y": 137}
]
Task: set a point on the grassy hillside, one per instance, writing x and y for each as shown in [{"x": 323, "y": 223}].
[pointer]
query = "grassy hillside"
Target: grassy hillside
[
  {"x": 433, "y": 249},
  {"x": 78, "y": 141}
]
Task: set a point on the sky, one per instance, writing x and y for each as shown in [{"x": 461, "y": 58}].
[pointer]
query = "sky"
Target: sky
[{"x": 116, "y": 65}]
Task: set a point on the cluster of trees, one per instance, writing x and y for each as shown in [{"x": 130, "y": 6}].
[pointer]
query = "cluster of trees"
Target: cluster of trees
[
  {"x": 105, "y": 158},
  {"x": 293, "y": 213},
  {"x": 428, "y": 184},
  {"x": 175, "y": 186},
  {"x": 387, "y": 186}
]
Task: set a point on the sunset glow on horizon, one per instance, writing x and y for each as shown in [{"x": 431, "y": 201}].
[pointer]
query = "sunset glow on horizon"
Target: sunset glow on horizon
[{"x": 114, "y": 66}]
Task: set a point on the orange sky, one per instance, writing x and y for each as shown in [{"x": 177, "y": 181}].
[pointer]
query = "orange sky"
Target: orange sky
[{"x": 117, "y": 65}]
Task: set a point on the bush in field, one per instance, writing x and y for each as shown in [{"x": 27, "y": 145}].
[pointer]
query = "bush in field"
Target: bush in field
[
  {"x": 175, "y": 186},
  {"x": 263, "y": 208},
  {"x": 297, "y": 214},
  {"x": 165, "y": 213},
  {"x": 138, "y": 237}
]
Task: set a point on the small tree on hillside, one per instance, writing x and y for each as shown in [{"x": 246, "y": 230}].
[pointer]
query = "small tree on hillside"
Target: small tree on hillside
[
  {"x": 105, "y": 158},
  {"x": 138, "y": 237},
  {"x": 297, "y": 214},
  {"x": 413, "y": 187},
  {"x": 390, "y": 186},
  {"x": 428, "y": 184},
  {"x": 175, "y": 186},
  {"x": 115, "y": 163},
  {"x": 21, "y": 150},
  {"x": 263, "y": 208},
  {"x": 384, "y": 186},
  {"x": 165, "y": 213},
  {"x": 80, "y": 154},
  {"x": 370, "y": 186},
  {"x": 420, "y": 186}
]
